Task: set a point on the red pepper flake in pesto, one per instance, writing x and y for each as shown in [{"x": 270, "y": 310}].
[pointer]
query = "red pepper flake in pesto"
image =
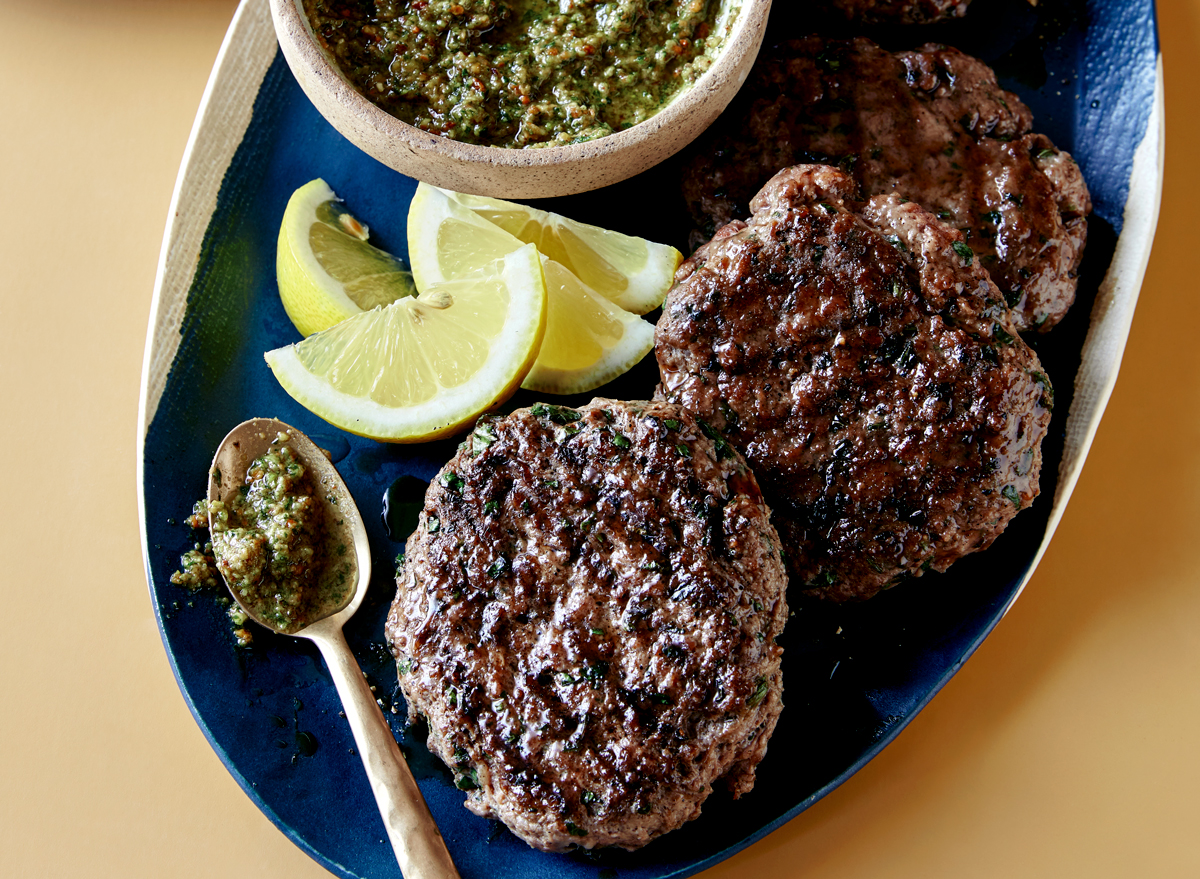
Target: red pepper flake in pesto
[{"x": 559, "y": 74}]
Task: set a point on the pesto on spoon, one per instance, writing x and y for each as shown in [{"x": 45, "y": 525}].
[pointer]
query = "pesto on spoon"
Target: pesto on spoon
[{"x": 290, "y": 543}]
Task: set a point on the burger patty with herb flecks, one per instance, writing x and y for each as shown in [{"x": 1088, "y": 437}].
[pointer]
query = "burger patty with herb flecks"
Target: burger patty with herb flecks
[
  {"x": 861, "y": 358},
  {"x": 586, "y": 615},
  {"x": 930, "y": 125}
]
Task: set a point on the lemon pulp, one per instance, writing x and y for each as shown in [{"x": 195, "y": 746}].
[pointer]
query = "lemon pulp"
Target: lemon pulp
[
  {"x": 630, "y": 272},
  {"x": 589, "y": 339},
  {"x": 420, "y": 368},
  {"x": 326, "y": 268}
]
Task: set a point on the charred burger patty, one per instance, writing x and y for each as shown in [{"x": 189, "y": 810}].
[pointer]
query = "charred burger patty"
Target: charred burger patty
[
  {"x": 586, "y": 615},
  {"x": 861, "y": 358},
  {"x": 930, "y": 125}
]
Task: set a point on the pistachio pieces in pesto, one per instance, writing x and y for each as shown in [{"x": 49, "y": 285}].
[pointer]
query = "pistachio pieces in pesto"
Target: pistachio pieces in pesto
[
  {"x": 519, "y": 73},
  {"x": 198, "y": 570},
  {"x": 270, "y": 543}
]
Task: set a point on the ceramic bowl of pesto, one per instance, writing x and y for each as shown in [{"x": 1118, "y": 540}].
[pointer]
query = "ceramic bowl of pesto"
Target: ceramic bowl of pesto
[{"x": 524, "y": 99}]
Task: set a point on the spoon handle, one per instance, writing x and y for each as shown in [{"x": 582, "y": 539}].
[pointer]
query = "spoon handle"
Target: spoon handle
[{"x": 419, "y": 847}]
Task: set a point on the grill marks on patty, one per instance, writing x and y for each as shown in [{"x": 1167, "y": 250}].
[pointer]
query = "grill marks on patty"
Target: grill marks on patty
[
  {"x": 931, "y": 125},
  {"x": 869, "y": 370},
  {"x": 587, "y": 615},
  {"x": 587, "y": 611}
]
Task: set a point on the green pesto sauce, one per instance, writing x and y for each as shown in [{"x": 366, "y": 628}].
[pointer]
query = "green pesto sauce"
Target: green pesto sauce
[
  {"x": 269, "y": 542},
  {"x": 196, "y": 569},
  {"x": 519, "y": 73}
]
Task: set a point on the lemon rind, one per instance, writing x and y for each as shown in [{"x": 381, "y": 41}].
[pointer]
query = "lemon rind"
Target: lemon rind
[
  {"x": 296, "y": 267},
  {"x": 646, "y": 290},
  {"x": 432, "y": 203},
  {"x": 636, "y": 342},
  {"x": 642, "y": 296},
  {"x": 432, "y": 206},
  {"x": 517, "y": 341}
]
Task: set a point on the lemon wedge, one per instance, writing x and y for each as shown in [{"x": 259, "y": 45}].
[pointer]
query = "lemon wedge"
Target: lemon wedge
[
  {"x": 632, "y": 273},
  {"x": 589, "y": 339},
  {"x": 327, "y": 270},
  {"x": 421, "y": 367}
]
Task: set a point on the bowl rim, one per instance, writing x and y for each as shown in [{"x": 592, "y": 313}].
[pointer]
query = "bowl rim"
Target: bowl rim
[{"x": 746, "y": 31}]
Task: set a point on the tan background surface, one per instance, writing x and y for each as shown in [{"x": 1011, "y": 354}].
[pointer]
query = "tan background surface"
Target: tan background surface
[{"x": 1068, "y": 746}]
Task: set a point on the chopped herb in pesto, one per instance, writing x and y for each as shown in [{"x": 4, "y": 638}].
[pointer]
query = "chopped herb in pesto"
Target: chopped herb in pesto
[
  {"x": 269, "y": 545},
  {"x": 519, "y": 73}
]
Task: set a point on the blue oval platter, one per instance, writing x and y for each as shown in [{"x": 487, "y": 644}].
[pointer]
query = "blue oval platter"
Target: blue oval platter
[{"x": 854, "y": 676}]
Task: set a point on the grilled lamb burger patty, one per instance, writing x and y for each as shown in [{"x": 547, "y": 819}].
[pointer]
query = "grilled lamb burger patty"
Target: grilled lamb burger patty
[
  {"x": 931, "y": 125},
  {"x": 864, "y": 362},
  {"x": 586, "y": 615}
]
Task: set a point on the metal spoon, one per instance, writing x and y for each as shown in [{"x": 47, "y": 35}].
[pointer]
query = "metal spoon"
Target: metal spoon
[{"x": 419, "y": 847}]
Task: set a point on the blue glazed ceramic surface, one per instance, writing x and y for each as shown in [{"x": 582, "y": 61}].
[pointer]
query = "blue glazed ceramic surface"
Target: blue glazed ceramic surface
[{"x": 854, "y": 676}]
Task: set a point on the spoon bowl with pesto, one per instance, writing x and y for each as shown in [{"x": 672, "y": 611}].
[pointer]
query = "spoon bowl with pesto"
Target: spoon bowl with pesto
[{"x": 291, "y": 545}]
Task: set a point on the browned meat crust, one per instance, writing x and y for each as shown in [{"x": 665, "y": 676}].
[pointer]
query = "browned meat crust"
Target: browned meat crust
[
  {"x": 587, "y": 615},
  {"x": 868, "y": 368},
  {"x": 931, "y": 125},
  {"x": 900, "y": 11}
]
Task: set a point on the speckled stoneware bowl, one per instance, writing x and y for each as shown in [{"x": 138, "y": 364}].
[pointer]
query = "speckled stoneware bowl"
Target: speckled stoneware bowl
[{"x": 517, "y": 173}]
